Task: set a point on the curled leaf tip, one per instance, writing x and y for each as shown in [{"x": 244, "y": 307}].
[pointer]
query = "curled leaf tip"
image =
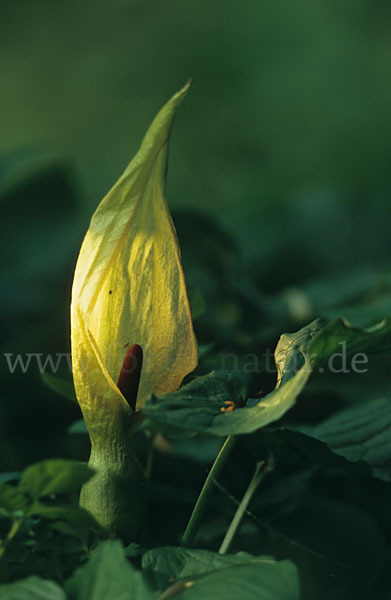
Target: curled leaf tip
[{"x": 129, "y": 377}]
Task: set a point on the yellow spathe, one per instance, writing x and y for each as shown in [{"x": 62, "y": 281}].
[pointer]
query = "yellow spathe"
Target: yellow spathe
[{"x": 129, "y": 287}]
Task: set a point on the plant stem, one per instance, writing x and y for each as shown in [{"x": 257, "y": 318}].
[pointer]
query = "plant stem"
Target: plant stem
[
  {"x": 201, "y": 504},
  {"x": 262, "y": 468},
  {"x": 115, "y": 496}
]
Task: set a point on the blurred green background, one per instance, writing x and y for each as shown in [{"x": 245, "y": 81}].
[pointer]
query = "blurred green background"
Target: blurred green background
[
  {"x": 290, "y": 101},
  {"x": 279, "y": 174}
]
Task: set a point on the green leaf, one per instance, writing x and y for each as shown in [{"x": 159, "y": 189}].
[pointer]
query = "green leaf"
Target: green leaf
[
  {"x": 60, "y": 386},
  {"x": 76, "y": 516},
  {"x": 197, "y": 303},
  {"x": 180, "y": 563},
  {"x": 54, "y": 476},
  {"x": 293, "y": 349},
  {"x": 298, "y": 450},
  {"x": 327, "y": 511},
  {"x": 248, "y": 582},
  {"x": 203, "y": 574},
  {"x": 199, "y": 406},
  {"x": 108, "y": 575},
  {"x": 69, "y": 530},
  {"x": 361, "y": 433},
  {"x": 339, "y": 333},
  {"x": 78, "y": 427},
  {"x": 32, "y": 588},
  {"x": 11, "y": 476},
  {"x": 12, "y": 498},
  {"x": 133, "y": 550}
]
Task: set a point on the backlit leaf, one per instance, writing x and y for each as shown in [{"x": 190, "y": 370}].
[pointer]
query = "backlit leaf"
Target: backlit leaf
[{"x": 199, "y": 406}]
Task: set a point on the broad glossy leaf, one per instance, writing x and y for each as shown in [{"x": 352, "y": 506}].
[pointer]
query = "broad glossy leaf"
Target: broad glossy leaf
[
  {"x": 129, "y": 287},
  {"x": 108, "y": 575},
  {"x": 198, "y": 406},
  {"x": 203, "y": 574},
  {"x": 32, "y": 588},
  {"x": 54, "y": 476},
  {"x": 361, "y": 433},
  {"x": 201, "y": 409}
]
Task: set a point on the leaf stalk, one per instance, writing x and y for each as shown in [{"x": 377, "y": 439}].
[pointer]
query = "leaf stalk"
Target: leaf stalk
[{"x": 203, "y": 499}]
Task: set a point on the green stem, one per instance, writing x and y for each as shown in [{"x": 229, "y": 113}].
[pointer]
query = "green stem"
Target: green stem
[
  {"x": 115, "y": 495},
  {"x": 202, "y": 502},
  {"x": 261, "y": 470}
]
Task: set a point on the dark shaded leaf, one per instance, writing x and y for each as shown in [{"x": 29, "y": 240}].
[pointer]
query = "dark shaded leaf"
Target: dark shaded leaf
[
  {"x": 108, "y": 575},
  {"x": 361, "y": 433},
  {"x": 204, "y": 574},
  {"x": 12, "y": 498},
  {"x": 200, "y": 405},
  {"x": 32, "y": 588},
  {"x": 336, "y": 333},
  {"x": 12, "y": 476},
  {"x": 54, "y": 476},
  {"x": 76, "y": 516}
]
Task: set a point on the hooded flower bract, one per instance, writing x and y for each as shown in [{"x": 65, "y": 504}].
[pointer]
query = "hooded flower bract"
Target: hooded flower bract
[{"x": 129, "y": 286}]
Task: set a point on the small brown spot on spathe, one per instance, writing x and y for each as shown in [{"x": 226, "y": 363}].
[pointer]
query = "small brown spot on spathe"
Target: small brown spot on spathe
[{"x": 110, "y": 291}]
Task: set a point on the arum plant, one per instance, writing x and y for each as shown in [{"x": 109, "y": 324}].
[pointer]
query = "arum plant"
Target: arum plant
[{"x": 131, "y": 327}]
